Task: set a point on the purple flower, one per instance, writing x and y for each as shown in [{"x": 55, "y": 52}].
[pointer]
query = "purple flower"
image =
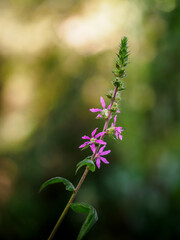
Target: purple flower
[
  {"x": 100, "y": 154},
  {"x": 104, "y": 111},
  {"x": 93, "y": 139},
  {"x": 117, "y": 129}
]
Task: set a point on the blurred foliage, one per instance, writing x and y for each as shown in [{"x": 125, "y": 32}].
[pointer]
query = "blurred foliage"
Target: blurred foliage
[{"x": 56, "y": 60}]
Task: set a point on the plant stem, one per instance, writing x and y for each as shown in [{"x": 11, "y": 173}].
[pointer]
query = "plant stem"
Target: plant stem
[
  {"x": 68, "y": 204},
  {"x": 84, "y": 174}
]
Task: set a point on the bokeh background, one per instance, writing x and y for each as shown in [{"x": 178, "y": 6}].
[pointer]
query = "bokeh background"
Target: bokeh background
[{"x": 56, "y": 60}]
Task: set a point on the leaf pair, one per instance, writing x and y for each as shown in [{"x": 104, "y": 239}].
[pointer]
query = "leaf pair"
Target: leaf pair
[
  {"x": 91, "y": 219},
  {"x": 77, "y": 207}
]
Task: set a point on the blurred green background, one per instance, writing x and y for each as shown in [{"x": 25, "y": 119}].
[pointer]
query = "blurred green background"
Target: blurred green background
[{"x": 56, "y": 60}]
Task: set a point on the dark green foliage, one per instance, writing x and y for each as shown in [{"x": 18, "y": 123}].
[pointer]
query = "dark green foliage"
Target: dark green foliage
[
  {"x": 69, "y": 186},
  {"x": 86, "y": 162},
  {"x": 91, "y": 219}
]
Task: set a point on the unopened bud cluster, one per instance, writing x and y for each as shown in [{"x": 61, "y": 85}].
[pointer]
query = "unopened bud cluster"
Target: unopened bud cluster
[{"x": 121, "y": 63}]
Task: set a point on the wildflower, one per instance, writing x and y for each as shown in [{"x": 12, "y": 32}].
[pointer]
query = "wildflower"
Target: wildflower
[
  {"x": 104, "y": 112},
  {"x": 93, "y": 140},
  {"x": 116, "y": 129},
  {"x": 100, "y": 154}
]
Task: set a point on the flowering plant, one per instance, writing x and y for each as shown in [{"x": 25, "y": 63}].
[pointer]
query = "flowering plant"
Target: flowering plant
[{"x": 96, "y": 144}]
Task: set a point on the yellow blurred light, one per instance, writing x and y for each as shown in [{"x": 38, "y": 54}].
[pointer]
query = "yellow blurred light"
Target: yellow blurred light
[
  {"x": 100, "y": 25},
  {"x": 92, "y": 90},
  {"x": 14, "y": 128},
  {"x": 18, "y": 37},
  {"x": 18, "y": 91},
  {"x": 17, "y": 120}
]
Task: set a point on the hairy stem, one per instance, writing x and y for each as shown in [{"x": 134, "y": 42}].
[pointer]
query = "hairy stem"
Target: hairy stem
[{"x": 84, "y": 174}]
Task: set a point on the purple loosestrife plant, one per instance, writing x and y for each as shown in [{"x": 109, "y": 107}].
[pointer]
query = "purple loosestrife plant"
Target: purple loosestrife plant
[{"x": 97, "y": 145}]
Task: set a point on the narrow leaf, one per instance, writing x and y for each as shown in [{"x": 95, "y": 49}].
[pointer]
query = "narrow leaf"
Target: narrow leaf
[
  {"x": 91, "y": 219},
  {"x": 86, "y": 162},
  {"x": 69, "y": 186}
]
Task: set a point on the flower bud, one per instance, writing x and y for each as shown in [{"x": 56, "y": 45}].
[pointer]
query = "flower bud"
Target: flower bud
[
  {"x": 116, "y": 82},
  {"x": 110, "y": 94},
  {"x": 118, "y": 97},
  {"x": 114, "y": 107},
  {"x": 121, "y": 63}
]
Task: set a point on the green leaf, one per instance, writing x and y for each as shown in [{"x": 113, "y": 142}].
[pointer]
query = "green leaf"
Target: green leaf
[
  {"x": 86, "y": 162},
  {"x": 91, "y": 219},
  {"x": 69, "y": 186}
]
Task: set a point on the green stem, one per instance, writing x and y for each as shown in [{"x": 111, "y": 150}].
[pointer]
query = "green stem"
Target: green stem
[
  {"x": 68, "y": 204},
  {"x": 83, "y": 176}
]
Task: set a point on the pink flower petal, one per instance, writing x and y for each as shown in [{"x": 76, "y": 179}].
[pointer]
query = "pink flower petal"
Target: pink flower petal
[
  {"x": 116, "y": 133},
  {"x": 99, "y": 116},
  {"x": 117, "y": 111},
  {"x": 98, "y": 161},
  {"x": 100, "y": 141},
  {"x": 115, "y": 118},
  {"x": 105, "y": 152},
  {"x": 101, "y": 149},
  {"x": 86, "y": 137},
  {"x": 103, "y": 102},
  {"x": 94, "y": 132},
  {"x": 100, "y": 134},
  {"x": 95, "y": 110},
  {"x": 119, "y": 129},
  {"x": 120, "y": 137},
  {"x": 104, "y": 160},
  {"x": 93, "y": 148},
  {"x": 109, "y": 106},
  {"x": 83, "y": 145}
]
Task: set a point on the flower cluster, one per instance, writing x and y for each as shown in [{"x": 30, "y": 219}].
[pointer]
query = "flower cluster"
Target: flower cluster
[
  {"x": 93, "y": 141},
  {"x": 96, "y": 141}
]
